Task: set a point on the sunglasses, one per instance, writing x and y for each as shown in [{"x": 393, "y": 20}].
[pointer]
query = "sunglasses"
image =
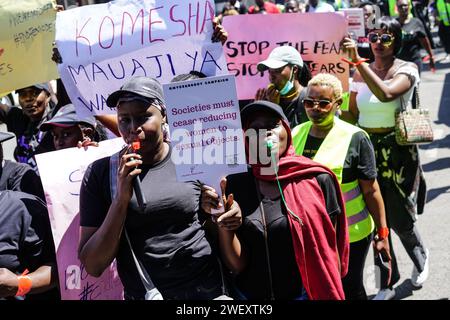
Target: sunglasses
[
  {"x": 386, "y": 39},
  {"x": 310, "y": 103}
]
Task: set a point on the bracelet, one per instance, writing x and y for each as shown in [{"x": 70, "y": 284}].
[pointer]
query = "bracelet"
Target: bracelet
[
  {"x": 25, "y": 284},
  {"x": 357, "y": 63},
  {"x": 383, "y": 233}
]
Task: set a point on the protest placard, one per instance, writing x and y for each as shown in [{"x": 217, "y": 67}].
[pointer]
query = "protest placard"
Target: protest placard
[
  {"x": 62, "y": 186},
  {"x": 355, "y": 22},
  {"x": 206, "y": 132},
  {"x": 104, "y": 45},
  {"x": 252, "y": 37},
  {"x": 26, "y": 37}
]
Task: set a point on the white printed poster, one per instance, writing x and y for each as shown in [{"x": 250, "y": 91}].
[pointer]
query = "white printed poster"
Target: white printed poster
[
  {"x": 355, "y": 22},
  {"x": 206, "y": 132}
]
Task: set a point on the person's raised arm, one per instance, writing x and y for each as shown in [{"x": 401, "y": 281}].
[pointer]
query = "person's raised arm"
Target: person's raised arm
[
  {"x": 385, "y": 92},
  {"x": 110, "y": 122},
  {"x": 98, "y": 246}
]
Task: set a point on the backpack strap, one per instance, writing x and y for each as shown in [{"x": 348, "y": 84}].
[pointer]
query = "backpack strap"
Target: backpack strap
[{"x": 151, "y": 292}]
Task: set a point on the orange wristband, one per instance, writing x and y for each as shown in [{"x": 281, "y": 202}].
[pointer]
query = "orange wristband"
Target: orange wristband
[
  {"x": 357, "y": 63},
  {"x": 25, "y": 284},
  {"x": 383, "y": 233}
]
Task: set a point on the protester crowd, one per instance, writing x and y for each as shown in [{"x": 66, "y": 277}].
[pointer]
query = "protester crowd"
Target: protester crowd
[{"x": 300, "y": 232}]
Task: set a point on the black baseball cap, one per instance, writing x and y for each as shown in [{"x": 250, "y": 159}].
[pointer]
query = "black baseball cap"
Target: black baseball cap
[
  {"x": 5, "y": 136},
  {"x": 67, "y": 117},
  {"x": 142, "y": 86},
  {"x": 261, "y": 105},
  {"x": 39, "y": 86}
]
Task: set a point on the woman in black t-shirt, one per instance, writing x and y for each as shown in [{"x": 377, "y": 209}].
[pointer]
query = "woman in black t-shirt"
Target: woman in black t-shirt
[
  {"x": 165, "y": 233},
  {"x": 414, "y": 37},
  {"x": 346, "y": 150}
]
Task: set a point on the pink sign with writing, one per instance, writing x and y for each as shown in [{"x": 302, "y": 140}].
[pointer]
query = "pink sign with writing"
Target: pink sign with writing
[
  {"x": 62, "y": 186},
  {"x": 252, "y": 37}
]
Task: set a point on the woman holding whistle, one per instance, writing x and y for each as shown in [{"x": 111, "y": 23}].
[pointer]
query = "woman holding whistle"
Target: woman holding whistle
[
  {"x": 292, "y": 242},
  {"x": 164, "y": 232}
]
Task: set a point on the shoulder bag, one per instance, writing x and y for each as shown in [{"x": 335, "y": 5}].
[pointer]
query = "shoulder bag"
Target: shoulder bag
[{"x": 413, "y": 125}]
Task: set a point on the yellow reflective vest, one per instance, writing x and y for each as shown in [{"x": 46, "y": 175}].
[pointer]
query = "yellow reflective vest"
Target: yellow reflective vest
[
  {"x": 332, "y": 153},
  {"x": 393, "y": 11},
  {"x": 444, "y": 12}
]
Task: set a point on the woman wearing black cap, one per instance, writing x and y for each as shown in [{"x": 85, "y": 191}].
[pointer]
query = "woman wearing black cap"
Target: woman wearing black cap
[
  {"x": 165, "y": 234},
  {"x": 293, "y": 241},
  {"x": 36, "y": 107}
]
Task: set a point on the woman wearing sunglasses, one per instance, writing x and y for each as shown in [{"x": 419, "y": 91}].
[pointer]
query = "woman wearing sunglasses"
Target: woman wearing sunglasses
[
  {"x": 347, "y": 150},
  {"x": 377, "y": 91}
]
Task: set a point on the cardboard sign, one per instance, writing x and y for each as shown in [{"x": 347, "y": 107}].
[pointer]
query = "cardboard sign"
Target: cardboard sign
[
  {"x": 61, "y": 174},
  {"x": 26, "y": 37},
  {"x": 252, "y": 37}
]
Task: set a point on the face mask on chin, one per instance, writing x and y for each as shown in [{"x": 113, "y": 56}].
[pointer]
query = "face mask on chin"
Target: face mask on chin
[{"x": 288, "y": 86}]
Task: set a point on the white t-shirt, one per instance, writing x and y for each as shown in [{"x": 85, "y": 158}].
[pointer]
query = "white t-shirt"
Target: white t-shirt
[
  {"x": 322, "y": 7},
  {"x": 376, "y": 114}
]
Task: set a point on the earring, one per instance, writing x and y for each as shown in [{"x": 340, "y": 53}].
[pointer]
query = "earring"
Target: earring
[{"x": 166, "y": 131}]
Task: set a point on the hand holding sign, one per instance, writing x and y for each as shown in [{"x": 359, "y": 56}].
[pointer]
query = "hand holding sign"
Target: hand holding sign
[
  {"x": 231, "y": 219},
  {"x": 349, "y": 48}
]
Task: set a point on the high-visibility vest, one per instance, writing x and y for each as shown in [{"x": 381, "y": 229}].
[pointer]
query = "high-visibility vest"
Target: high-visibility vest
[
  {"x": 444, "y": 12},
  {"x": 393, "y": 12},
  {"x": 332, "y": 153},
  {"x": 339, "y": 4}
]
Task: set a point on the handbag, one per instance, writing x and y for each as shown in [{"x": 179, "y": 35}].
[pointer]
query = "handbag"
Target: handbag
[{"x": 413, "y": 125}]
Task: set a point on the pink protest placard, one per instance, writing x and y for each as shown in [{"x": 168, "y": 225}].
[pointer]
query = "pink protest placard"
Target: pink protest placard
[
  {"x": 61, "y": 174},
  {"x": 252, "y": 37}
]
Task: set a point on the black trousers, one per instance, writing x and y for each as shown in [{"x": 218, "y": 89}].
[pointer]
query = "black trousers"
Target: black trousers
[
  {"x": 353, "y": 281},
  {"x": 399, "y": 220},
  {"x": 444, "y": 34}
]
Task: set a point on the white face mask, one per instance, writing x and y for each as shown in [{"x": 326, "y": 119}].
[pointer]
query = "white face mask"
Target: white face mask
[{"x": 289, "y": 85}]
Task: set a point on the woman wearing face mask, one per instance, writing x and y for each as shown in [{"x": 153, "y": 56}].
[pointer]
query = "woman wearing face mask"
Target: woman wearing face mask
[
  {"x": 288, "y": 76},
  {"x": 165, "y": 233},
  {"x": 377, "y": 91},
  {"x": 293, "y": 240},
  {"x": 347, "y": 150}
]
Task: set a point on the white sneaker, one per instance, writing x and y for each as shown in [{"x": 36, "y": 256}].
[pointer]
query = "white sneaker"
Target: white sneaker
[
  {"x": 446, "y": 59},
  {"x": 417, "y": 279},
  {"x": 385, "y": 294}
]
